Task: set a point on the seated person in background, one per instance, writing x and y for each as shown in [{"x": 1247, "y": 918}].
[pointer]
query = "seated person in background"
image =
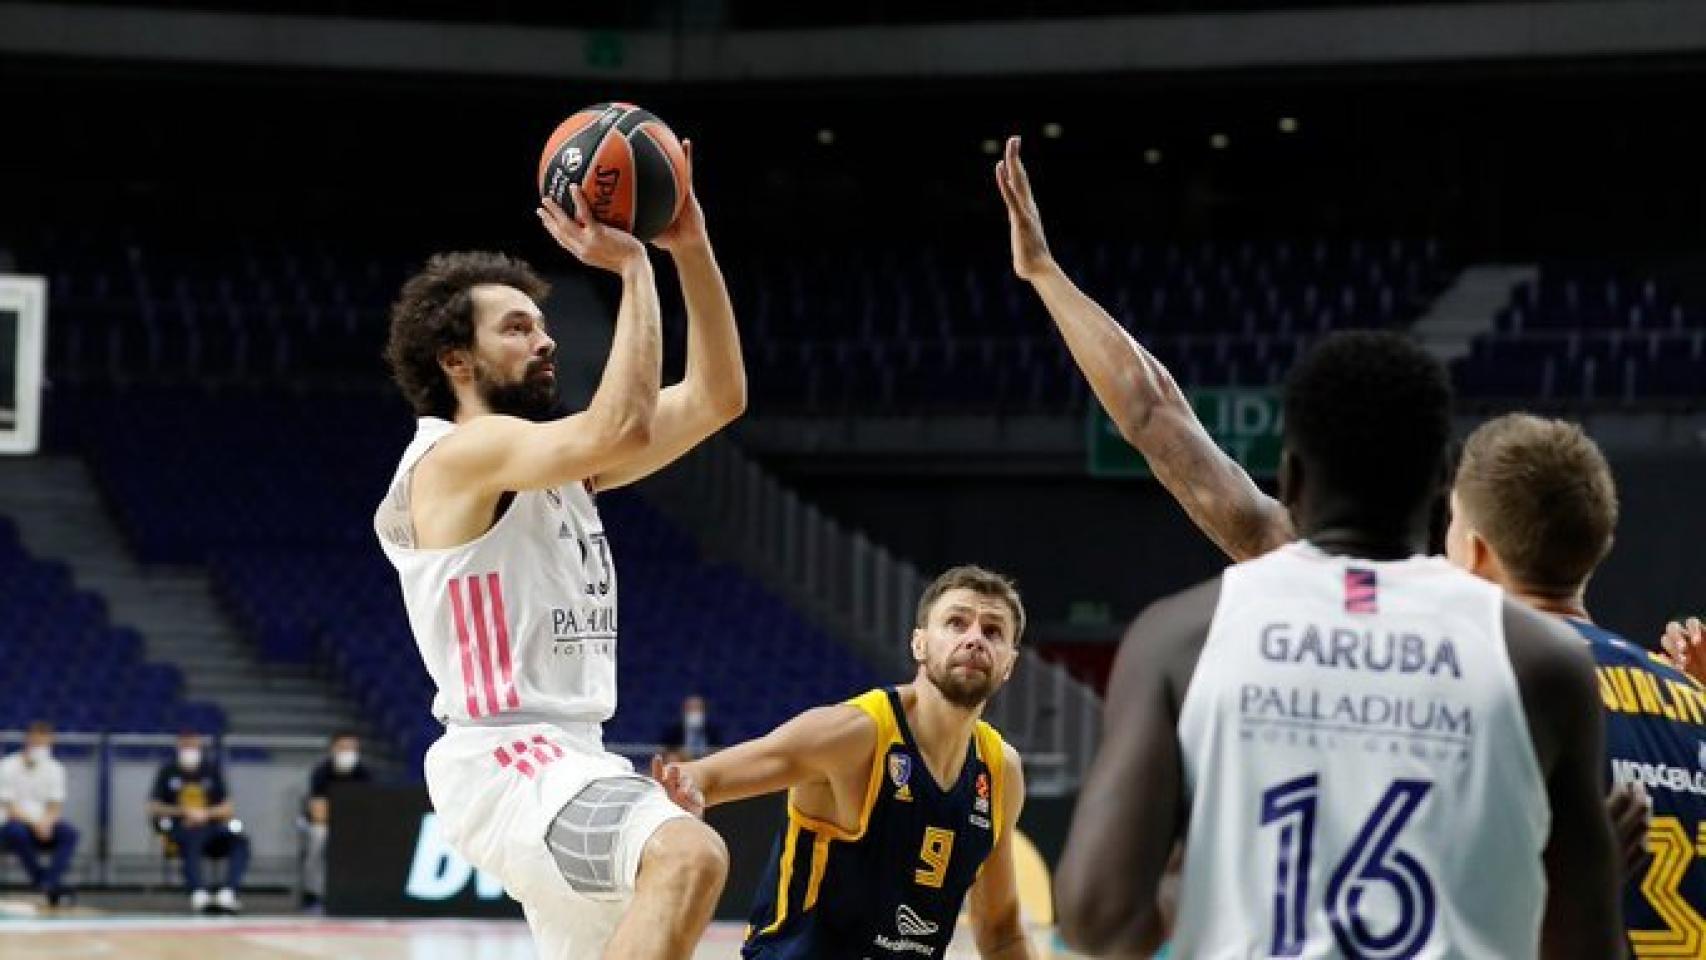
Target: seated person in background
[
  {"x": 693, "y": 736},
  {"x": 342, "y": 764},
  {"x": 32, "y": 797},
  {"x": 190, "y": 805}
]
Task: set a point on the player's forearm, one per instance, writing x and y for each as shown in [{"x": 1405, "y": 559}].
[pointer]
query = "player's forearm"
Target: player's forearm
[
  {"x": 1128, "y": 381},
  {"x": 1134, "y": 938},
  {"x": 1005, "y": 939},
  {"x": 1154, "y": 416},
  {"x": 715, "y": 370},
  {"x": 735, "y": 774},
  {"x": 1096, "y": 888},
  {"x": 627, "y": 393}
]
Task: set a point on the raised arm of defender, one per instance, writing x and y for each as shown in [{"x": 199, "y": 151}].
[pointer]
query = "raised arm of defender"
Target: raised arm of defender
[{"x": 1138, "y": 392}]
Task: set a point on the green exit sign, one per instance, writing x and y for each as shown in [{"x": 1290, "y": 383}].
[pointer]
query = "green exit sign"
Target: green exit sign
[{"x": 1246, "y": 422}]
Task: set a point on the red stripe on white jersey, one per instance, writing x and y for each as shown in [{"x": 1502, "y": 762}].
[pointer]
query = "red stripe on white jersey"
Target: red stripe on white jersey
[
  {"x": 506, "y": 669},
  {"x": 460, "y": 616},
  {"x": 487, "y": 667}
]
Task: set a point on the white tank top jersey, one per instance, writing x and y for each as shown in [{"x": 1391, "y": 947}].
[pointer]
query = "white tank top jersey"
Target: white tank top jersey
[
  {"x": 1358, "y": 768},
  {"x": 519, "y": 625}
]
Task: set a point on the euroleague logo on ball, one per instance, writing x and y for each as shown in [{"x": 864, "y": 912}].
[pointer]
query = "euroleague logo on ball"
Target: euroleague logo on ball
[{"x": 572, "y": 159}]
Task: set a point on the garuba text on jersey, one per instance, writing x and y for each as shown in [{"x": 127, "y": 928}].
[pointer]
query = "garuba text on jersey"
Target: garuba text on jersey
[{"x": 1347, "y": 649}]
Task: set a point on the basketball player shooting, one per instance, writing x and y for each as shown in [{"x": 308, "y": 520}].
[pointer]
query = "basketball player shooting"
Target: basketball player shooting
[{"x": 510, "y": 586}]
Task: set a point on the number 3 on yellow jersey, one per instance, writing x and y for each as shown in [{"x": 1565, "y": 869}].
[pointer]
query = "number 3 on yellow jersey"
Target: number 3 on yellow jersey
[{"x": 1685, "y": 931}]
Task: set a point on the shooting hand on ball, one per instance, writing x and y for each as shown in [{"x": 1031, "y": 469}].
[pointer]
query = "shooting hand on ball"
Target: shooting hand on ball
[
  {"x": 592, "y": 243},
  {"x": 689, "y": 227}
]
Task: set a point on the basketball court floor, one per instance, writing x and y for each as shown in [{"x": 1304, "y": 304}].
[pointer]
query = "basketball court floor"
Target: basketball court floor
[{"x": 131, "y": 937}]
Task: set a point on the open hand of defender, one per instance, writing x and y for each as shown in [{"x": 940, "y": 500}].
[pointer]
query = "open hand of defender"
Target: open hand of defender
[
  {"x": 679, "y": 785},
  {"x": 592, "y": 243},
  {"x": 1684, "y": 645},
  {"x": 1031, "y": 256},
  {"x": 689, "y": 227}
]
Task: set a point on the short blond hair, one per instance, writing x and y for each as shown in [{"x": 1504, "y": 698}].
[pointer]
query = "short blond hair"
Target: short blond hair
[{"x": 1542, "y": 495}]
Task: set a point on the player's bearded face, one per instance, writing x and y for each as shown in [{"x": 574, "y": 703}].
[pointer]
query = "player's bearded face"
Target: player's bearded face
[
  {"x": 530, "y": 395},
  {"x": 964, "y": 664},
  {"x": 514, "y": 358},
  {"x": 961, "y": 687}
]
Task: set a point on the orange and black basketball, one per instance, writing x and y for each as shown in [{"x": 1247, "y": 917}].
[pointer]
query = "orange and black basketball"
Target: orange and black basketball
[{"x": 629, "y": 163}]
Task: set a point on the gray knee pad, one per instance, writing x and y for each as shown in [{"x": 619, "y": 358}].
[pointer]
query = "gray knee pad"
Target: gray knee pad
[{"x": 583, "y": 836}]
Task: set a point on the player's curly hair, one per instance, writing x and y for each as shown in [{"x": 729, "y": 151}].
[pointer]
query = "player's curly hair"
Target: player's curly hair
[
  {"x": 435, "y": 312},
  {"x": 1369, "y": 412}
]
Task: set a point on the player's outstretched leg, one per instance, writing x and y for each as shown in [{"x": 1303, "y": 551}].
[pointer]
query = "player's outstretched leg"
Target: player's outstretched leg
[{"x": 681, "y": 876}]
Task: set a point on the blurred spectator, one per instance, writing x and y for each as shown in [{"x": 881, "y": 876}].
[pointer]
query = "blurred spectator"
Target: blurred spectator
[
  {"x": 341, "y": 765},
  {"x": 191, "y": 805},
  {"x": 693, "y": 736},
  {"x": 32, "y": 797}
]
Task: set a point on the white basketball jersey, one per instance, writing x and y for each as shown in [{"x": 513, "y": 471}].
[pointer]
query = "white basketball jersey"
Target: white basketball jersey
[
  {"x": 1361, "y": 779},
  {"x": 518, "y": 625}
]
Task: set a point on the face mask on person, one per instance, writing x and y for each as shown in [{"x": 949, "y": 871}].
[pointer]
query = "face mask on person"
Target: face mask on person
[
  {"x": 693, "y": 719},
  {"x": 41, "y": 753},
  {"x": 343, "y": 761},
  {"x": 189, "y": 758}
]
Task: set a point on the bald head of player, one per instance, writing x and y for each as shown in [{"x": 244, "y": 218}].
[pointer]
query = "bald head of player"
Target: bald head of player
[
  {"x": 966, "y": 638},
  {"x": 1533, "y": 508},
  {"x": 1367, "y": 423},
  {"x": 467, "y": 337}
]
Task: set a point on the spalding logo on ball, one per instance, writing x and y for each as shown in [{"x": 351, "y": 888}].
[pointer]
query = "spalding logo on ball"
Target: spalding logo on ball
[{"x": 629, "y": 163}]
